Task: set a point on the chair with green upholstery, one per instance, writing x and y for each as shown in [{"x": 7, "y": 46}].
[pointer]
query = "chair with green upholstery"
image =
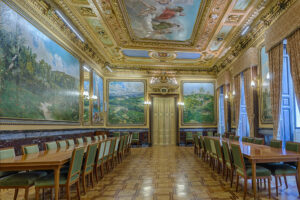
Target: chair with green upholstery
[
  {"x": 99, "y": 160},
  {"x": 128, "y": 142},
  {"x": 188, "y": 137},
  {"x": 220, "y": 156},
  {"x": 208, "y": 149},
  {"x": 135, "y": 138},
  {"x": 96, "y": 138},
  {"x": 196, "y": 145},
  {"x": 116, "y": 134},
  {"x": 50, "y": 146},
  {"x": 199, "y": 133},
  {"x": 210, "y": 133},
  {"x": 66, "y": 179},
  {"x": 106, "y": 153},
  {"x": 250, "y": 140},
  {"x": 125, "y": 146},
  {"x": 246, "y": 171},
  {"x": 70, "y": 142},
  {"x": 79, "y": 141},
  {"x": 29, "y": 149},
  {"x": 231, "y": 137},
  {"x": 115, "y": 155},
  {"x": 13, "y": 180},
  {"x": 61, "y": 143},
  {"x": 88, "y": 140},
  {"x": 100, "y": 137},
  {"x": 105, "y": 137},
  {"x": 203, "y": 148},
  {"x": 244, "y": 139},
  {"x": 236, "y": 138},
  {"x": 88, "y": 166},
  {"x": 111, "y": 152},
  {"x": 276, "y": 144},
  {"x": 228, "y": 162},
  {"x": 214, "y": 156},
  {"x": 120, "y": 149},
  {"x": 259, "y": 141}
]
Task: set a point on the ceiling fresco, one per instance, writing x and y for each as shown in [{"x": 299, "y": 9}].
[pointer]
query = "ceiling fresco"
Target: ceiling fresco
[
  {"x": 171, "y": 34},
  {"x": 161, "y": 19}
]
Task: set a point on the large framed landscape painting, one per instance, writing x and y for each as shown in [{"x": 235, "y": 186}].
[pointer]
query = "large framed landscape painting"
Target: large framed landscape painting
[
  {"x": 126, "y": 102},
  {"x": 265, "y": 108},
  {"x": 199, "y": 103},
  {"x": 162, "y": 19},
  {"x": 98, "y": 112},
  {"x": 39, "y": 80}
]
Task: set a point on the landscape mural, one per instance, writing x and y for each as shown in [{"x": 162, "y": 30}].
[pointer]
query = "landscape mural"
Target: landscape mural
[
  {"x": 199, "y": 106},
  {"x": 162, "y": 19},
  {"x": 39, "y": 80},
  {"x": 98, "y": 116},
  {"x": 266, "y": 109},
  {"x": 86, "y": 99},
  {"x": 126, "y": 103}
]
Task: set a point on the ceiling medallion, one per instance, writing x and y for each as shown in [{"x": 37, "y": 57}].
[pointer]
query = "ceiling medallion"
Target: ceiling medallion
[{"x": 162, "y": 56}]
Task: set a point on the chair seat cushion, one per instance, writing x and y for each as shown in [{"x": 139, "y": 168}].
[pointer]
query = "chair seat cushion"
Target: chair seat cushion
[
  {"x": 281, "y": 169},
  {"x": 22, "y": 179},
  {"x": 260, "y": 171},
  {"x": 48, "y": 181}
]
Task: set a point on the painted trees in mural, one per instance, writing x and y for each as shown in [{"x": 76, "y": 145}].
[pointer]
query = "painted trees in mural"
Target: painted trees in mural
[
  {"x": 199, "y": 103},
  {"x": 266, "y": 110},
  {"x": 163, "y": 19},
  {"x": 98, "y": 114},
  {"x": 126, "y": 102},
  {"x": 39, "y": 80}
]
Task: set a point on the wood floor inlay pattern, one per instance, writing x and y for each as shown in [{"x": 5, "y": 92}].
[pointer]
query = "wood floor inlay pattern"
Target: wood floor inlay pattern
[{"x": 169, "y": 172}]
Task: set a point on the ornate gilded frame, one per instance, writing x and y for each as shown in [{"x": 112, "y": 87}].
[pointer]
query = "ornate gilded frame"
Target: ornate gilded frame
[
  {"x": 107, "y": 101},
  {"x": 214, "y": 123}
]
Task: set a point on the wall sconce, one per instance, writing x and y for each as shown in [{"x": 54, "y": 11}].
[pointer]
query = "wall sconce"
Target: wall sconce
[
  {"x": 147, "y": 102},
  {"x": 268, "y": 76},
  {"x": 233, "y": 92},
  {"x": 226, "y": 96},
  {"x": 180, "y": 103},
  {"x": 252, "y": 83}
]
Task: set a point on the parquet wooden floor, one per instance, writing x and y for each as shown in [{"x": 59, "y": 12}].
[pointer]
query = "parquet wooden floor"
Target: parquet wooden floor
[{"x": 168, "y": 172}]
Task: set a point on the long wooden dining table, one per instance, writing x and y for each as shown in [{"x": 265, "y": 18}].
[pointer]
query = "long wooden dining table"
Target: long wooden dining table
[
  {"x": 265, "y": 154},
  {"x": 44, "y": 160}
]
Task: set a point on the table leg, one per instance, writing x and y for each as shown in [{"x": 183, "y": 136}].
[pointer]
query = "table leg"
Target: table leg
[
  {"x": 254, "y": 178},
  {"x": 298, "y": 177},
  {"x": 56, "y": 181}
]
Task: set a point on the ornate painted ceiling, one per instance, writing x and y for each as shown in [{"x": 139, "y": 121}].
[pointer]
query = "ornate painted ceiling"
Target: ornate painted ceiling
[{"x": 163, "y": 34}]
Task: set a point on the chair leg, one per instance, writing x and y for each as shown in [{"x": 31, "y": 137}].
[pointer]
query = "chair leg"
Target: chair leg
[
  {"x": 285, "y": 181},
  {"x": 237, "y": 182},
  {"x": 37, "y": 193},
  {"x": 276, "y": 184},
  {"x": 245, "y": 187},
  {"x": 231, "y": 179},
  {"x": 83, "y": 183},
  {"x": 78, "y": 189},
  {"x": 16, "y": 193},
  {"x": 26, "y": 193},
  {"x": 68, "y": 192},
  {"x": 92, "y": 179},
  {"x": 269, "y": 186},
  {"x": 96, "y": 173}
]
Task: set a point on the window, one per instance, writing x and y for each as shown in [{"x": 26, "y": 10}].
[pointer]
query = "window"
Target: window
[
  {"x": 221, "y": 125},
  {"x": 243, "y": 128}
]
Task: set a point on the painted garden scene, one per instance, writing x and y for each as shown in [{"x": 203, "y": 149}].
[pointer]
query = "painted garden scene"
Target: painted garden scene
[
  {"x": 266, "y": 110},
  {"x": 98, "y": 114},
  {"x": 39, "y": 80},
  {"x": 162, "y": 19},
  {"x": 126, "y": 102},
  {"x": 199, "y": 103}
]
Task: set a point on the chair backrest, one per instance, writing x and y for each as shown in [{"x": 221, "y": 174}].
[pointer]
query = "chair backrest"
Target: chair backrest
[
  {"x": 238, "y": 159},
  {"x": 125, "y": 141},
  {"x": 116, "y": 134},
  {"x": 202, "y": 143},
  {"x": 250, "y": 140},
  {"x": 96, "y": 138},
  {"x": 136, "y": 135},
  {"x": 244, "y": 139},
  {"x": 100, "y": 137},
  {"x": 75, "y": 164},
  {"x": 112, "y": 146},
  {"x": 61, "y": 143},
  {"x": 236, "y": 138},
  {"x": 100, "y": 152},
  {"x": 121, "y": 143},
  {"x": 117, "y": 144},
  {"x": 196, "y": 141},
  {"x": 200, "y": 133},
  {"x": 50, "y": 145},
  {"x": 258, "y": 141},
  {"x": 218, "y": 149},
  {"x": 107, "y": 147},
  {"x": 125, "y": 133},
  {"x": 90, "y": 157},
  {"x": 292, "y": 146},
  {"x": 227, "y": 153},
  {"x": 231, "y": 137},
  {"x": 29, "y": 149},
  {"x": 212, "y": 146},
  {"x": 189, "y": 135},
  {"x": 105, "y": 136},
  {"x": 6, "y": 153},
  {"x": 210, "y": 133},
  {"x": 207, "y": 144},
  {"x": 70, "y": 142},
  {"x": 88, "y": 140},
  {"x": 130, "y": 138},
  {"x": 79, "y": 140},
  {"x": 276, "y": 143}
]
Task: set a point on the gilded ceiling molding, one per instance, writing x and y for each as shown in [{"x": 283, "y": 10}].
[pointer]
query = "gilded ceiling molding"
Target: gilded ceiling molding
[
  {"x": 283, "y": 27},
  {"x": 258, "y": 27}
]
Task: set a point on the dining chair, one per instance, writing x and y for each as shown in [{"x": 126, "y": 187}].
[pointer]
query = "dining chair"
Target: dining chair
[
  {"x": 99, "y": 160},
  {"x": 244, "y": 139},
  {"x": 88, "y": 140},
  {"x": 65, "y": 179},
  {"x": 50, "y": 145},
  {"x": 88, "y": 166},
  {"x": 276, "y": 143},
  {"x": 228, "y": 162},
  {"x": 135, "y": 138},
  {"x": 79, "y": 141},
  {"x": 116, "y": 134},
  {"x": 199, "y": 133},
  {"x": 96, "y": 138},
  {"x": 236, "y": 138},
  {"x": 14, "y": 180},
  {"x": 220, "y": 156},
  {"x": 250, "y": 140},
  {"x": 29, "y": 149},
  {"x": 196, "y": 144},
  {"x": 100, "y": 137},
  {"x": 208, "y": 149},
  {"x": 111, "y": 152},
  {"x": 210, "y": 134},
  {"x": 259, "y": 141},
  {"x": 120, "y": 149},
  {"x": 70, "y": 142},
  {"x": 245, "y": 171},
  {"x": 214, "y": 156},
  {"x": 106, "y": 153},
  {"x": 115, "y": 155},
  {"x": 203, "y": 148},
  {"x": 105, "y": 136},
  {"x": 188, "y": 137},
  {"x": 129, "y": 142},
  {"x": 61, "y": 143}
]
